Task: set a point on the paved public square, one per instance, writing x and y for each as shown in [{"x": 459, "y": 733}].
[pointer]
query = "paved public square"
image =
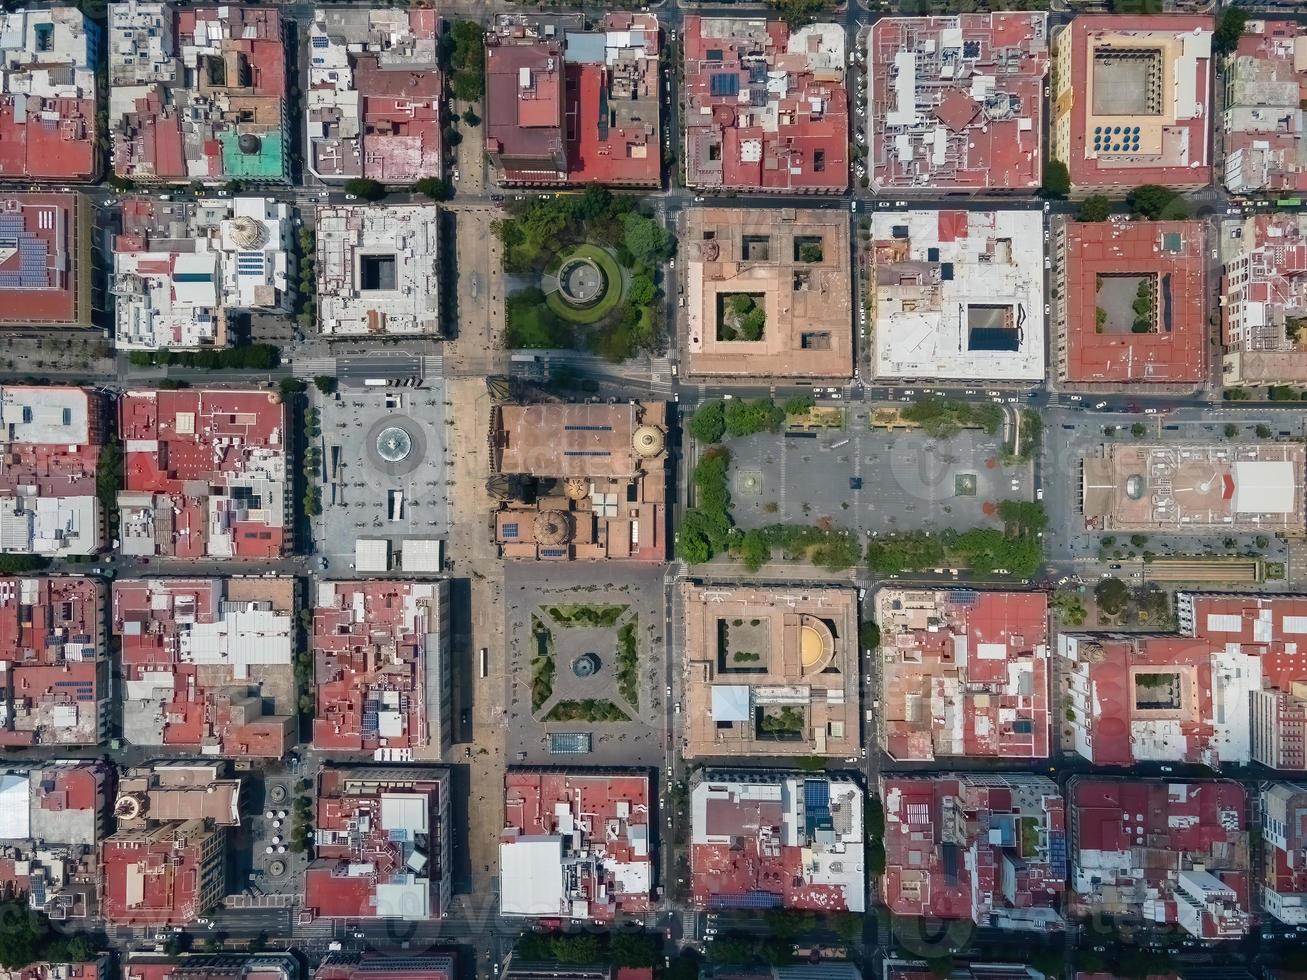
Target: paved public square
[
  {"x": 384, "y": 470},
  {"x": 531, "y": 590},
  {"x": 872, "y": 480}
]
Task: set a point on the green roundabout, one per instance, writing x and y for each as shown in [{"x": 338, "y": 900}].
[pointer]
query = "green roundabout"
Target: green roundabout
[{"x": 589, "y": 284}]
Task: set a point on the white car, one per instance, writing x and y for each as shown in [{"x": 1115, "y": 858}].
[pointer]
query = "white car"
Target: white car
[
  {"x": 1101, "y": 405},
  {"x": 1150, "y": 411},
  {"x": 853, "y": 206}
]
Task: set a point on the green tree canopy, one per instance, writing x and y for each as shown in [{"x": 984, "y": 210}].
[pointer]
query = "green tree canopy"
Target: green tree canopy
[
  {"x": 1057, "y": 179},
  {"x": 1096, "y": 207},
  {"x": 1156, "y": 203},
  {"x": 708, "y": 424},
  {"x": 1111, "y": 594},
  {"x": 365, "y": 188},
  {"x": 645, "y": 238}
]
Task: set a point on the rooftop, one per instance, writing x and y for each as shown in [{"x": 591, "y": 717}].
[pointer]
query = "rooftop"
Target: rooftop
[
  {"x": 767, "y": 839},
  {"x": 575, "y": 845},
  {"x": 169, "y": 874},
  {"x": 1183, "y": 697},
  {"x": 1282, "y": 813},
  {"x": 180, "y": 268},
  {"x": 54, "y": 671},
  {"x": 795, "y": 270},
  {"x": 770, "y": 672},
  {"x": 204, "y": 474},
  {"x": 958, "y": 295},
  {"x": 50, "y": 437},
  {"x": 1253, "y": 486},
  {"x": 1170, "y": 852},
  {"x": 378, "y": 269},
  {"x": 47, "y": 94},
  {"x": 45, "y": 273},
  {"x": 964, "y": 673},
  {"x": 197, "y": 93},
  {"x": 1265, "y": 125},
  {"x": 381, "y": 664},
  {"x": 210, "y": 966},
  {"x": 381, "y": 848},
  {"x": 1265, "y": 298},
  {"x": 583, "y": 109},
  {"x": 168, "y": 791},
  {"x": 599, "y": 472},
  {"x": 51, "y": 818},
  {"x": 97, "y": 969},
  {"x": 764, "y": 110},
  {"x": 957, "y": 102},
  {"x": 1132, "y": 101},
  {"x": 1132, "y": 301},
  {"x": 989, "y": 848},
  {"x": 379, "y": 966},
  {"x": 207, "y": 664},
  {"x": 372, "y": 104}
]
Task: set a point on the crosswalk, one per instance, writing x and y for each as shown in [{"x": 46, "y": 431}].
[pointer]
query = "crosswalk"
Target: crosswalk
[{"x": 312, "y": 367}]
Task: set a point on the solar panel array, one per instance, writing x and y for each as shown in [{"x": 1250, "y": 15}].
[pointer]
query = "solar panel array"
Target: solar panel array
[{"x": 33, "y": 270}]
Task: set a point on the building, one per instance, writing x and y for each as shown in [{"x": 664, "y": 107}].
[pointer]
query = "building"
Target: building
[
  {"x": 794, "y": 270},
  {"x": 378, "y": 270},
  {"x": 575, "y": 845},
  {"x": 52, "y": 817},
  {"x": 180, "y": 269},
  {"x": 770, "y": 672},
  {"x": 1130, "y": 302},
  {"x": 382, "y": 669},
  {"x": 1226, "y": 689},
  {"x": 96, "y": 969},
  {"x": 207, "y": 664},
  {"x": 989, "y": 848},
  {"x": 210, "y": 966},
  {"x": 381, "y": 846},
  {"x": 764, "y": 109},
  {"x": 769, "y": 839},
  {"x": 1265, "y": 124},
  {"x": 54, "y": 668},
  {"x": 45, "y": 264},
  {"x": 956, "y": 103},
  {"x": 580, "y": 481},
  {"x": 168, "y": 791},
  {"x": 893, "y": 968},
  {"x": 963, "y": 674},
  {"x": 48, "y": 59},
  {"x": 204, "y": 474},
  {"x": 1169, "y": 853},
  {"x": 51, "y": 439},
  {"x": 1264, "y": 300},
  {"x": 434, "y": 965},
  {"x": 162, "y": 875},
  {"x": 198, "y": 93},
  {"x": 1194, "y": 489},
  {"x": 958, "y": 295},
  {"x": 1131, "y": 101},
  {"x": 1282, "y": 885},
  {"x": 580, "y": 109},
  {"x": 372, "y": 103}
]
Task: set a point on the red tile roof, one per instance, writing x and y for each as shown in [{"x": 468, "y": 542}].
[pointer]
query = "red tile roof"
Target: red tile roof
[{"x": 1175, "y": 350}]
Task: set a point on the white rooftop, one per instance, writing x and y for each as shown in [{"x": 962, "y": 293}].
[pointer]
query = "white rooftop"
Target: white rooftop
[
  {"x": 530, "y": 881},
  {"x": 962, "y": 297}
]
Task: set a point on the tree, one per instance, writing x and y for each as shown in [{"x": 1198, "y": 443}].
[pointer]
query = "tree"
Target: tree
[
  {"x": 1057, "y": 179},
  {"x": 1156, "y": 203},
  {"x": 325, "y": 383},
  {"x": 1137, "y": 430},
  {"x": 754, "y": 550},
  {"x": 1111, "y": 595},
  {"x": 452, "y": 136},
  {"x": 796, "y": 13},
  {"x": 20, "y": 564},
  {"x": 1096, "y": 207},
  {"x": 432, "y": 187},
  {"x": 22, "y": 934},
  {"x": 641, "y": 291},
  {"x": 646, "y": 238},
  {"x": 466, "y": 55},
  {"x": 708, "y": 424},
  {"x": 1230, "y": 24},
  {"x": 1263, "y": 432},
  {"x": 365, "y": 188},
  {"x": 638, "y": 950},
  {"x": 471, "y": 118},
  {"x": 1231, "y": 430},
  {"x": 869, "y": 635}
]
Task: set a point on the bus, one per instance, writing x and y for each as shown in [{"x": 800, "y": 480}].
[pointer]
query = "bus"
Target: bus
[{"x": 485, "y": 661}]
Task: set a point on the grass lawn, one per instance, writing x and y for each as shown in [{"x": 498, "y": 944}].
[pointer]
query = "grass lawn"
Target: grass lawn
[{"x": 612, "y": 293}]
